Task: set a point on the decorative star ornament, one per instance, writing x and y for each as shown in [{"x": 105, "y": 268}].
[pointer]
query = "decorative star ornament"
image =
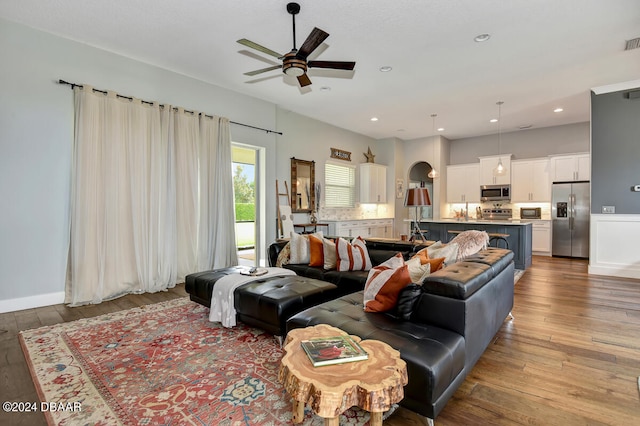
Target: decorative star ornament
[{"x": 369, "y": 155}]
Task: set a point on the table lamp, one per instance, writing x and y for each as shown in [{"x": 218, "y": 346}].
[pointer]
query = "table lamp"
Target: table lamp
[{"x": 417, "y": 197}]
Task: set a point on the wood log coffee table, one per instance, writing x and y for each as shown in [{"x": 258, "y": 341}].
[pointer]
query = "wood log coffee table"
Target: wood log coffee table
[{"x": 373, "y": 385}]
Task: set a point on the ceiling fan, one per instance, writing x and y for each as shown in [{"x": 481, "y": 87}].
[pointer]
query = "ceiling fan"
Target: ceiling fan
[{"x": 295, "y": 62}]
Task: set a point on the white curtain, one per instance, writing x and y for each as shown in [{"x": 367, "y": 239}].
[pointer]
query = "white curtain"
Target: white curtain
[
  {"x": 186, "y": 134},
  {"x": 137, "y": 193},
  {"x": 217, "y": 212}
]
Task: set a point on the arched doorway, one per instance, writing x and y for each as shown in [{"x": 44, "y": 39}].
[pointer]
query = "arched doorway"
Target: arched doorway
[{"x": 418, "y": 176}]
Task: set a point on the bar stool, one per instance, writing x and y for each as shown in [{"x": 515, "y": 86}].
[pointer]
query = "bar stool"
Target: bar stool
[{"x": 499, "y": 237}]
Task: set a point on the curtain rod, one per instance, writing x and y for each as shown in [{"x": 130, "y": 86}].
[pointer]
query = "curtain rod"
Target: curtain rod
[{"x": 162, "y": 106}]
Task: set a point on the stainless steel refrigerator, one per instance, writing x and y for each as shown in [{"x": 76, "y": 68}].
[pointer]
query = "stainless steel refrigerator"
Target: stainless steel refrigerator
[{"x": 570, "y": 210}]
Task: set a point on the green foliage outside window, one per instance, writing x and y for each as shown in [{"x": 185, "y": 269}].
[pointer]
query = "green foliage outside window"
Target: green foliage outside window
[
  {"x": 245, "y": 212},
  {"x": 244, "y": 191}
]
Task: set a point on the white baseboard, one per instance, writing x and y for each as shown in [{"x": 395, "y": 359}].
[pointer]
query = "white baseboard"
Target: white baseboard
[
  {"x": 621, "y": 271},
  {"x": 29, "y": 302}
]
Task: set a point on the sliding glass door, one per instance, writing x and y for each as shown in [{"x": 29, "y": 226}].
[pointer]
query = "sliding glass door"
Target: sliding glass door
[{"x": 245, "y": 177}]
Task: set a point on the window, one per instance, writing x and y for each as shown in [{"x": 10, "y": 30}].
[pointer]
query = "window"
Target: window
[{"x": 340, "y": 185}]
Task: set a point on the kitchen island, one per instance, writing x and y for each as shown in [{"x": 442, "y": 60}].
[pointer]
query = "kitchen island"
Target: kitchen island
[{"x": 519, "y": 234}]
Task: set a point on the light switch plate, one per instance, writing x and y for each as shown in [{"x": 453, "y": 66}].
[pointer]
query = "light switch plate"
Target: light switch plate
[{"x": 608, "y": 209}]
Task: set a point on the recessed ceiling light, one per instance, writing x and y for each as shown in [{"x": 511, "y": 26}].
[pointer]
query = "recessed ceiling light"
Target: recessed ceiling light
[
  {"x": 493, "y": 120},
  {"x": 481, "y": 37},
  {"x": 558, "y": 110},
  {"x": 385, "y": 68},
  {"x": 325, "y": 89},
  {"x": 374, "y": 118},
  {"x": 441, "y": 129}
]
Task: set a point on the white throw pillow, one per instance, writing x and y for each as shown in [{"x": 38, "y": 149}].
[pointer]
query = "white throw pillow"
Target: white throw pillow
[
  {"x": 352, "y": 256},
  {"x": 300, "y": 248},
  {"x": 448, "y": 251},
  {"x": 417, "y": 271}
]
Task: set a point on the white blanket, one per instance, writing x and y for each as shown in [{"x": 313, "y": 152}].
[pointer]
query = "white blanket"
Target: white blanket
[{"x": 222, "y": 308}]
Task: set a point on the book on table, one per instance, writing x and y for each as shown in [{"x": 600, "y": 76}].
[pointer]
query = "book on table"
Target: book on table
[{"x": 333, "y": 350}]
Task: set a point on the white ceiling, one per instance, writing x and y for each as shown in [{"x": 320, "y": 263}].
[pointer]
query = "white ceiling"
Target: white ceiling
[{"x": 542, "y": 54}]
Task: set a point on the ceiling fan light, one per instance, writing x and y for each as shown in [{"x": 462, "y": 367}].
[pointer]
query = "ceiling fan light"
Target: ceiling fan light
[{"x": 293, "y": 70}]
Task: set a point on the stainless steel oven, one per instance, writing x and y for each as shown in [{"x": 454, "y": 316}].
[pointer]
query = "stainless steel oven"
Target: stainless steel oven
[
  {"x": 495, "y": 193},
  {"x": 530, "y": 213}
]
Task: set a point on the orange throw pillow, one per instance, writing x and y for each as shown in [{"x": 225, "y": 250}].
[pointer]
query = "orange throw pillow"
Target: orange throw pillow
[
  {"x": 436, "y": 263},
  {"x": 316, "y": 251},
  {"x": 422, "y": 255},
  {"x": 384, "y": 284}
]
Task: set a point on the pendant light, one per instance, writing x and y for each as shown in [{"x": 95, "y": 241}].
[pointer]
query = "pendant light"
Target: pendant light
[
  {"x": 500, "y": 169},
  {"x": 433, "y": 173}
]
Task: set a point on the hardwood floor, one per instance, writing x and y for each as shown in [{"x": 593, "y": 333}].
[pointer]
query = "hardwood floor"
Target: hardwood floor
[{"x": 570, "y": 357}]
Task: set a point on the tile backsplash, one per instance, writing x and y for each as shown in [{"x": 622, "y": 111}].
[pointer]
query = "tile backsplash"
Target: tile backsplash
[
  {"x": 361, "y": 211},
  {"x": 457, "y": 207}
]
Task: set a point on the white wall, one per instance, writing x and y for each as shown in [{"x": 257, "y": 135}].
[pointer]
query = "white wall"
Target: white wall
[
  {"x": 308, "y": 139},
  {"x": 532, "y": 143},
  {"x": 36, "y": 134},
  {"x": 435, "y": 151}
]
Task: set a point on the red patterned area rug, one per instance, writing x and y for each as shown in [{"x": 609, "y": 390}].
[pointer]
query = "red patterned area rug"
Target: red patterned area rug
[{"x": 162, "y": 364}]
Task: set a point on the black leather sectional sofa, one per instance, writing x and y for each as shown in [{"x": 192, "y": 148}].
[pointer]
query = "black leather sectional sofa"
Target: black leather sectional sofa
[
  {"x": 440, "y": 327},
  {"x": 351, "y": 281}
]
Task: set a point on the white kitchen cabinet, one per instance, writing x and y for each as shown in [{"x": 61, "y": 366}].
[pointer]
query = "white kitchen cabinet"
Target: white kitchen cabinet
[
  {"x": 530, "y": 181},
  {"x": 488, "y": 165},
  {"x": 365, "y": 228},
  {"x": 373, "y": 183},
  {"x": 463, "y": 183},
  {"x": 569, "y": 168},
  {"x": 541, "y": 237}
]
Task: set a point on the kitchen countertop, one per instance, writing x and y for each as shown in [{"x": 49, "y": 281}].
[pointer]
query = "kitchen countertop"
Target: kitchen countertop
[
  {"x": 357, "y": 219},
  {"x": 515, "y": 222}
]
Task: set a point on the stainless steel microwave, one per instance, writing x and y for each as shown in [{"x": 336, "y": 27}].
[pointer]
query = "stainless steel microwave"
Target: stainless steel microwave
[
  {"x": 495, "y": 193},
  {"x": 530, "y": 213}
]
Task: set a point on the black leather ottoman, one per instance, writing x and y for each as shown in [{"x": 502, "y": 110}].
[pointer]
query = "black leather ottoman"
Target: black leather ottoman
[
  {"x": 200, "y": 284},
  {"x": 269, "y": 303},
  {"x": 266, "y": 303}
]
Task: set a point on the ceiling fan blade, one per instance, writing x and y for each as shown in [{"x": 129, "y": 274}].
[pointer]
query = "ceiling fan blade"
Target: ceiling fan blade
[
  {"x": 304, "y": 80},
  {"x": 314, "y": 40},
  {"x": 260, "y": 71},
  {"x": 261, "y": 48},
  {"x": 338, "y": 65}
]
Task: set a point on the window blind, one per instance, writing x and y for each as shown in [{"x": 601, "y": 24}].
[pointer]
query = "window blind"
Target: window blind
[{"x": 340, "y": 185}]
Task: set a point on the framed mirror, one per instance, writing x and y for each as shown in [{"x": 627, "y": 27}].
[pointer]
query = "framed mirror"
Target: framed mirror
[{"x": 303, "y": 181}]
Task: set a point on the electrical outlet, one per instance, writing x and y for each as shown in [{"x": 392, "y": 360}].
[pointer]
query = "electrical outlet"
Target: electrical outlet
[{"x": 608, "y": 209}]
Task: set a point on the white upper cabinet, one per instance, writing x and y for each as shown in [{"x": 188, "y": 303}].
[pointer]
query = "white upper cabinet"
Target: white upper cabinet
[
  {"x": 373, "y": 183},
  {"x": 463, "y": 183},
  {"x": 567, "y": 168},
  {"x": 530, "y": 181},
  {"x": 488, "y": 165}
]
